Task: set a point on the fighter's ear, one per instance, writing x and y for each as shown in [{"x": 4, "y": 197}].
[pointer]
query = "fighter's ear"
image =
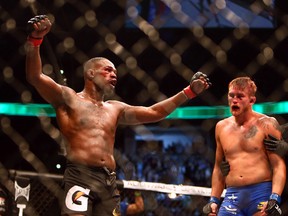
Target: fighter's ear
[
  {"x": 252, "y": 99},
  {"x": 90, "y": 73}
]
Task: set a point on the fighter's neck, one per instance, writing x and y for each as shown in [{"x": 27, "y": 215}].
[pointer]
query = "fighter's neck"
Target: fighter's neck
[
  {"x": 91, "y": 95},
  {"x": 244, "y": 118}
]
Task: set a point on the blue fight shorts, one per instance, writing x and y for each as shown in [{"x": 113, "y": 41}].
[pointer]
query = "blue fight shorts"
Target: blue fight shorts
[
  {"x": 123, "y": 208},
  {"x": 246, "y": 200},
  {"x": 90, "y": 191}
]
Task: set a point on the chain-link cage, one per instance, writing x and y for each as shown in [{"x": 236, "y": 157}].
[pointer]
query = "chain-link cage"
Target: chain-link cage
[
  {"x": 156, "y": 46},
  {"x": 46, "y": 201}
]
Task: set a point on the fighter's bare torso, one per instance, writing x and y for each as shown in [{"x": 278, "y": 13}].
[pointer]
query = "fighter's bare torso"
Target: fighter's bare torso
[
  {"x": 89, "y": 127},
  {"x": 243, "y": 148}
]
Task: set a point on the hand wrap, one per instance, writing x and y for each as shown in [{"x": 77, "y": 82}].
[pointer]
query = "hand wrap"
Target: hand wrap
[
  {"x": 189, "y": 93},
  {"x": 273, "y": 208},
  {"x": 35, "y": 41}
]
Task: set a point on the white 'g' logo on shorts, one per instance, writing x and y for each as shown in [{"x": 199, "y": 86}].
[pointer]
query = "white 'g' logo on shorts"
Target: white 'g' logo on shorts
[{"x": 81, "y": 204}]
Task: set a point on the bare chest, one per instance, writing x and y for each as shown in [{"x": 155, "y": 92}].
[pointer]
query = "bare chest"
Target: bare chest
[
  {"x": 87, "y": 115},
  {"x": 241, "y": 139}
]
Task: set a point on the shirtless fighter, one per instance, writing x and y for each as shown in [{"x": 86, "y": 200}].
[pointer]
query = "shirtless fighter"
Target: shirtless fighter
[
  {"x": 257, "y": 177},
  {"x": 89, "y": 123}
]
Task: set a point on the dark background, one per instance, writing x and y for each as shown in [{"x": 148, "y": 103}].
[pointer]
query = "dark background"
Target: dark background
[{"x": 151, "y": 65}]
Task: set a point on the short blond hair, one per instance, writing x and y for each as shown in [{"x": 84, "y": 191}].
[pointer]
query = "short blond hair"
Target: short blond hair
[{"x": 243, "y": 83}]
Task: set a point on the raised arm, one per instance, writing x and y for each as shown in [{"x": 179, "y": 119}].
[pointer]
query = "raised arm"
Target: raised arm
[
  {"x": 158, "y": 111},
  {"x": 51, "y": 91}
]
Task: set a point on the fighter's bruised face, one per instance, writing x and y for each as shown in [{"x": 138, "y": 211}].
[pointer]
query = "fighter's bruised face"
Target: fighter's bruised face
[
  {"x": 239, "y": 100},
  {"x": 105, "y": 77}
]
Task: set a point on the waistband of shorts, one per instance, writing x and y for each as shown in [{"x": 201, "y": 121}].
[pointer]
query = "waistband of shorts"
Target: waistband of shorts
[
  {"x": 103, "y": 169},
  {"x": 252, "y": 186}
]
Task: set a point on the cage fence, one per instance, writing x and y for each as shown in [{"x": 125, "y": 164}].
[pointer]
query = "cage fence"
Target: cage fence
[
  {"x": 156, "y": 46},
  {"x": 159, "y": 199}
]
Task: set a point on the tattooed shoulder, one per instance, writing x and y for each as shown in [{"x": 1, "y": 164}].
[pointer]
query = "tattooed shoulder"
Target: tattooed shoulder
[{"x": 266, "y": 122}]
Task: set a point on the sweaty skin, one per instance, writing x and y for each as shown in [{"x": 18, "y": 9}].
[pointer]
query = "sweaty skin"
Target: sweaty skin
[
  {"x": 244, "y": 149},
  {"x": 86, "y": 120},
  {"x": 239, "y": 139}
]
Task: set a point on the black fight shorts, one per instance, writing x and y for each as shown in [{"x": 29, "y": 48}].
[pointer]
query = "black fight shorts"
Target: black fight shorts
[{"x": 90, "y": 191}]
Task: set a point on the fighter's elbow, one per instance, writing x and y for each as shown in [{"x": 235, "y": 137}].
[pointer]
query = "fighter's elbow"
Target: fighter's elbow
[{"x": 33, "y": 79}]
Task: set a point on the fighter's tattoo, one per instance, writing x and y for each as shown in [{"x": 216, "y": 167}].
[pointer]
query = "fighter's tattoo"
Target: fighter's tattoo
[
  {"x": 268, "y": 122},
  {"x": 251, "y": 132}
]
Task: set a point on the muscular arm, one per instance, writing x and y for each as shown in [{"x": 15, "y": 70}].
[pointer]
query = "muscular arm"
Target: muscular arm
[
  {"x": 279, "y": 173},
  {"x": 47, "y": 87},
  {"x": 218, "y": 180},
  {"x": 139, "y": 114},
  {"x": 278, "y": 166},
  {"x": 158, "y": 111}
]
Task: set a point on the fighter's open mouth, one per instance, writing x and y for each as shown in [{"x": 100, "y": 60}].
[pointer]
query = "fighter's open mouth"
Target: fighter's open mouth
[
  {"x": 235, "y": 108},
  {"x": 113, "y": 82}
]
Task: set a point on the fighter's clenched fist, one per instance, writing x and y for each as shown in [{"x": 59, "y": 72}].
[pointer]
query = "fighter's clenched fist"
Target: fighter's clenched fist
[
  {"x": 38, "y": 26},
  {"x": 199, "y": 82}
]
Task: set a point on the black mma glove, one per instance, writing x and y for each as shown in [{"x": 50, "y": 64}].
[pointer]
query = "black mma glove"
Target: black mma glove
[
  {"x": 280, "y": 147},
  {"x": 207, "y": 208},
  {"x": 224, "y": 167},
  {"x": 196, "y": 85},
  {"x": 273, "y": 208},
  {"x": 37, "y": 28},
  {"x": 33, "y": 20},
  {"x": 284, "y": 131}
]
